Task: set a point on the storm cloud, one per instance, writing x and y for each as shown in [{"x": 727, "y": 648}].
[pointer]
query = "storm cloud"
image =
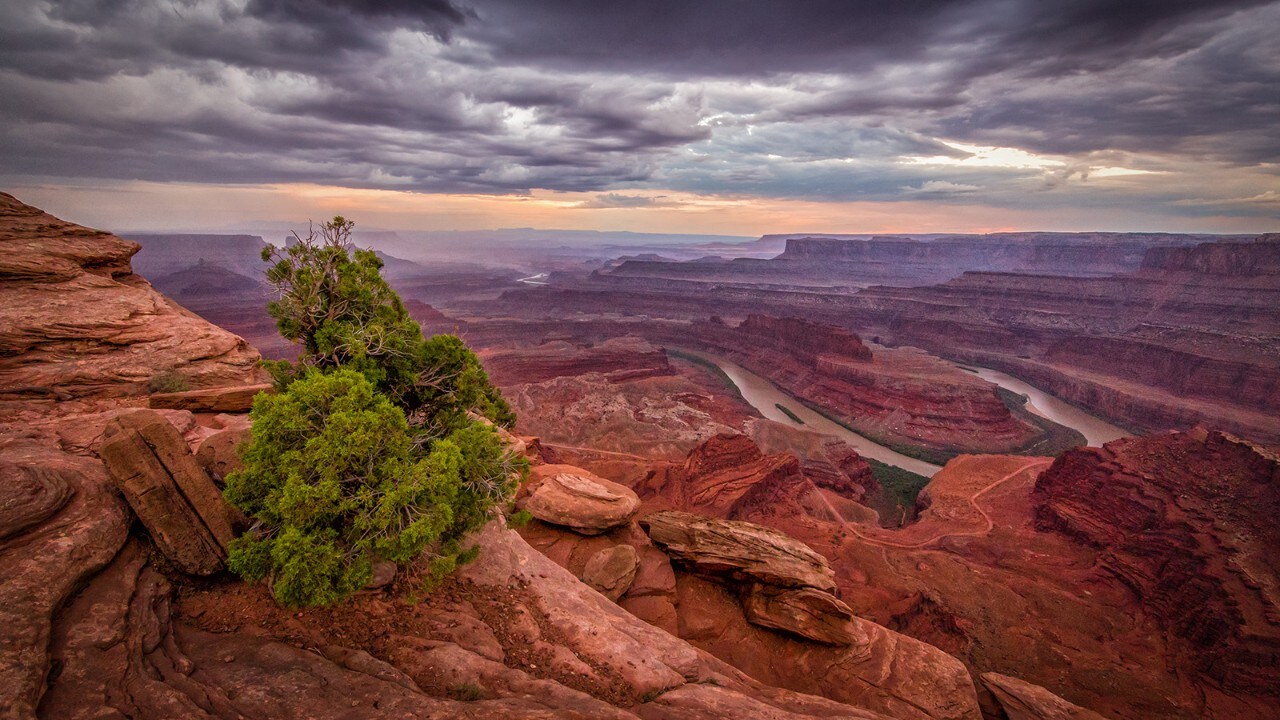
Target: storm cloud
[{"x": 1013, "y": 103}]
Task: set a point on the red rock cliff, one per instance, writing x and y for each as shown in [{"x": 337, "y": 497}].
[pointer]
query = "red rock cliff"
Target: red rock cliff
[{"x": 1186, "y": 521}]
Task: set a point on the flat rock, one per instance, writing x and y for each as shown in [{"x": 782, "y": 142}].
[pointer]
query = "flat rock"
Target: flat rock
[
  {"x": 574, "y": 498},
  {"x": 809, "y": 613},
  {"x": 1022, "y": 700},
  {"x": 739, "y": 551},
  {"x": 612, "y": 570},
  {"x": 230, "y": 399}
]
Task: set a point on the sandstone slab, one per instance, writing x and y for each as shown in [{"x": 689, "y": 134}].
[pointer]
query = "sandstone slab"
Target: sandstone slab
[
  {"x": 173, "y": 496},
  {"x": 740, "y": 551},
  {"x": 574, "y": 498},
  {"x": 1022, "y": 700},
  {"x": 229, "y": 399},
  {"x": 809, "y": 613}
]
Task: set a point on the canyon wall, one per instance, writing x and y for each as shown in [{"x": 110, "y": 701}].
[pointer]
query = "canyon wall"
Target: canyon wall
[
  {"x": 1186, "y": 522},
  {"x": 1260, "y": 257},
  {"x": 618, "y": 359},
  {"x": 162, "y": 254},
  {"x": 1194, "y": 336}
]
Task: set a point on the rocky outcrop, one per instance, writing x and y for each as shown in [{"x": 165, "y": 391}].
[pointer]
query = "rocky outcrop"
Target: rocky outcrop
[
  {"x": 172, "y": 495},
  {"x": 1184, "y": 521},
  {"x": 741, "y": 551},
  {"x": 581, "y": 501},
  {"x": 763, "y": 602},
  {"x": 75, "y": 321},
  {"x": 1022, "y": 700},
  {"x": 809, "y": 613}
]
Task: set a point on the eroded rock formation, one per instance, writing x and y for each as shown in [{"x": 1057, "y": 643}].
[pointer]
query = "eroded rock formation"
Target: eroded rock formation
[
  {"x": 574, "y": 498},
  {"x": 1186, "y": 522},
  {"x": 75, "y": 321}
]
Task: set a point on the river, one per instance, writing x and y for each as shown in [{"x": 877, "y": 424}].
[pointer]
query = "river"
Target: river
[
  {"x": 765, "y": 397},
  {"x": 1095, "y": 430}
]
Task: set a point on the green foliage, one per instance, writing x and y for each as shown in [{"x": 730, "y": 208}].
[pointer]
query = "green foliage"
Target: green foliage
[
  {"x": 334, "y": 480},
  {"x": 372, "y": 449},
  {"x": 333, "y": 300},
  {"x": 169, "y": 381},
  {"x": 467, "y": 692},
  {"x": 519, "y": 519},
  {"x": 899, "y": 489}
]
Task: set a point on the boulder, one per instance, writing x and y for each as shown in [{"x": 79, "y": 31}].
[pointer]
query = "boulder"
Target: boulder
[
  {"x": 172, "y": 495},
  {"x": 1022, "y": 700},
  {"x": 739, "y": 551},
  {"x": 809, "y": 613},
  {"x": 612, "y": 570},
  {"x": 219, "y": 454},
  {"x": 574, "y": 498},
  {"x": 231, "y": 399}
]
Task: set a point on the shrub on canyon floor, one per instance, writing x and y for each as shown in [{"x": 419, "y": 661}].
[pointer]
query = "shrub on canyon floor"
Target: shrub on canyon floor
[
  {"x": 169, "y": 381},
  {"x": 378, "y": 445}
]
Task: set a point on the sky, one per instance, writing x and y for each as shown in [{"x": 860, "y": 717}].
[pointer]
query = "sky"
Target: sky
[{"x": 733, "y": 117}]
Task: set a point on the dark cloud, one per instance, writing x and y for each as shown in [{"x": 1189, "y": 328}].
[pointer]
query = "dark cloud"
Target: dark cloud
[{"x": 824, "y": 99}]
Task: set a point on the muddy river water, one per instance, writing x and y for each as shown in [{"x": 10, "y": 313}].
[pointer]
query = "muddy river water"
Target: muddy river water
[{"x": 765, "y": 397}]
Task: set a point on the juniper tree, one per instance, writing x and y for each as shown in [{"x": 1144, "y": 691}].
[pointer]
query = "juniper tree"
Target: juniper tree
[{"x": 373, "y": 447}]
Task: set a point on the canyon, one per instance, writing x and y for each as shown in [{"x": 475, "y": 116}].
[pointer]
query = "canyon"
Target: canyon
[
  {"x": 686, "y": 557},
  {"x": 1187, "y": 336}
]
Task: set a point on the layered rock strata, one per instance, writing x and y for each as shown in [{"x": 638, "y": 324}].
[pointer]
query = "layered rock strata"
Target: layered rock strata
[
  {"x": 169, "y": 491},
  {"x": 75, "y": 321},
  {"x": 618, "y": 359},
  {"x": 1207, "y": 311},
  {"x": 1184, "y": 521}
]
